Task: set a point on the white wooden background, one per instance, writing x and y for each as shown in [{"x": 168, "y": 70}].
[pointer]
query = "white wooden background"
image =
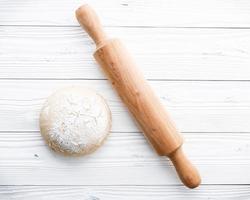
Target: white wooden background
[{"x": 196, "y": 55}]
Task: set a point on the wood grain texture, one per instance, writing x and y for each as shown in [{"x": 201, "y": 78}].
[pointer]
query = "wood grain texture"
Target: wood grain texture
[
  {"x": 42, "y": 40},
  {"x": 125, "y": 159},
  {"x": 178, "y": 13},
  {"x": 189, "y": 54},
  {"x": 214, "y": 105},
  {"x": 138, "y": 96},
  {"x": 195, "y": 106},
  {"x": 222, "y": 192}
]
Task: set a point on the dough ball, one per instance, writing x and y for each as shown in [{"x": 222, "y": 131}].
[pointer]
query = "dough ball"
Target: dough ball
[{"x": 75, "y": 120}]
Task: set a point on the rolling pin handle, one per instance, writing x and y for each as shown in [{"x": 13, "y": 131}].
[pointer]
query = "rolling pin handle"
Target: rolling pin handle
[
  {"x": 89, "y": 20},
  {"x": 146, "y": 107},
  {"x": 188, "y": 174}
]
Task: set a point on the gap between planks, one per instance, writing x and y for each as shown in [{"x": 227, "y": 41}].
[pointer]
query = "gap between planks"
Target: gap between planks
[{"x": 129, "y": 27}]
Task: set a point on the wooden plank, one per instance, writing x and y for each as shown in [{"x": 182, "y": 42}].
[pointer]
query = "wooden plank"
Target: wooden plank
[
  {"x": 66, "y": 52},
  {"x": 178, "y": 13},
  {"x": 223, "y": 192},
  {"x": 125, "y": 159},
  {"x": 196, "y": 106}
]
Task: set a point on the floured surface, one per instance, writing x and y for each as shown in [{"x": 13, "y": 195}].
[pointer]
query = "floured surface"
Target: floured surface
[{"x": 75, "y": 120}]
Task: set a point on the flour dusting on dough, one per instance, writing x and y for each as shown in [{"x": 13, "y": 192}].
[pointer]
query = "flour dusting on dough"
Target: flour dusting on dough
[{"x": 75, "y": 120}]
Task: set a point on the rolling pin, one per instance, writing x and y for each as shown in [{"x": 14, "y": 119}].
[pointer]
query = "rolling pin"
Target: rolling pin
[{"x": 138, "y": 96}]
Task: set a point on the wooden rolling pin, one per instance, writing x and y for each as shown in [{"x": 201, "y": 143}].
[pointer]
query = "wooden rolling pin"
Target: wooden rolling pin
[{"x": 136, "y": 93}]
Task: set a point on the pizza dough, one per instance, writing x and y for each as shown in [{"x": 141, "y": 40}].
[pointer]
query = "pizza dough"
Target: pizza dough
[{"x": 75, "y": 121}]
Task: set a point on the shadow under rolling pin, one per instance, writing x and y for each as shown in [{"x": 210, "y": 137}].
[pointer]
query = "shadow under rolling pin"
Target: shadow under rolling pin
[{"x": 138, "y": 96}]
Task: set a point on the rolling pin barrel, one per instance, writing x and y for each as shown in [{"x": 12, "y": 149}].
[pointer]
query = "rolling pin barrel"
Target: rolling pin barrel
[{"x": 138, "y": 96}]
